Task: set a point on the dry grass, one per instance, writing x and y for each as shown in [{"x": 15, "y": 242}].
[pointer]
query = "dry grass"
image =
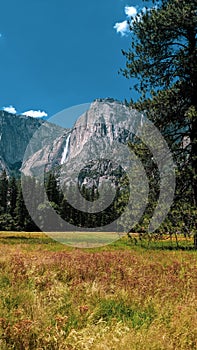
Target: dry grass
[{"x": 129, "y": 299}]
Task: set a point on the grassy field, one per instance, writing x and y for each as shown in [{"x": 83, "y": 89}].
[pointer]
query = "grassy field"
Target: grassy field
[{"x": 130, "y": 295}]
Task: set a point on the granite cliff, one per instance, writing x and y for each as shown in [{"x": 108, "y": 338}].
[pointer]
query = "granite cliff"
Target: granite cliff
[{"x": 91, "y": 150}]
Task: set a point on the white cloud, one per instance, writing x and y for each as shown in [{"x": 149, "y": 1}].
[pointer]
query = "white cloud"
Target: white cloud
[
  {"x": 31, "y": 113},
  {"x": 35, "y": 114},
  {"x": 122, "y": 28},
  {"x": 130, "y": 11},
  {"x": 134, "y": 14},
  {"x": 10, "y": 109}
]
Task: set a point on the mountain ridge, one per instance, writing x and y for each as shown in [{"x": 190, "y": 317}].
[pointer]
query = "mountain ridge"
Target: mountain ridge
[{"x": 36, "y": 145}]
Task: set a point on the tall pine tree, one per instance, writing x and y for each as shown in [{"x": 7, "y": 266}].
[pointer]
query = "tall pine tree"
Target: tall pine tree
[
  {"x": 3, "y": 192},
  {"x": 163, "y": 57}
]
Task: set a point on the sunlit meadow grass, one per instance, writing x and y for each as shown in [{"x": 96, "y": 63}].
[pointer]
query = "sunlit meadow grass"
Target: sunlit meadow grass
[{"x": 120, "y": 296}]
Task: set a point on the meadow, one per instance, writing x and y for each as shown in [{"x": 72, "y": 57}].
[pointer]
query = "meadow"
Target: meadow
[{"x": 129, "y": 295}]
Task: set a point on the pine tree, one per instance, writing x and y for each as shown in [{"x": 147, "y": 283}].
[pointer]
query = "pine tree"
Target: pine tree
[
  {"x": 52, "y": 189},
  {"x": 3, "y": 192},
  {"x": 21, "y": 212},
  {"x": 12, "y": 195},
  {"x": 163, "y": 57}
]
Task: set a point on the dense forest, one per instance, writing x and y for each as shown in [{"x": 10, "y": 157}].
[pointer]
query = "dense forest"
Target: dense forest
[{"x": 14, "y": 214}]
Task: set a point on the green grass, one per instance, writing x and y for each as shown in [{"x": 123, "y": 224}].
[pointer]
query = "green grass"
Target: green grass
[
  {"x": 85, "y": 239},
  {"x": 95, "y": 241}
]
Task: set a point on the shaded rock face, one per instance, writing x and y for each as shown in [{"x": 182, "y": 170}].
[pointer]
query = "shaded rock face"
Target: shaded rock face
[
  {"x": 95, "y": 172},
  {"x": 36, "y": 146},
  {"x": 15, "y": 134}
]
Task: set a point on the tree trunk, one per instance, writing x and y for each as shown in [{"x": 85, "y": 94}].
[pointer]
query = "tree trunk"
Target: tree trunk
[
  {"x": 195, "y": 240},
  {"x": 194, "y": 159},
  {"x": 193, "y": 89}
]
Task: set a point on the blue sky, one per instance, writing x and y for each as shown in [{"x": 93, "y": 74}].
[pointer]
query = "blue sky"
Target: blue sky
[{"x": 55, "y": 54}]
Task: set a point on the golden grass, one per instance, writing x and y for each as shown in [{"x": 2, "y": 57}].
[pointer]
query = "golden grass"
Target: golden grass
[{"x": 71, "y": 299}]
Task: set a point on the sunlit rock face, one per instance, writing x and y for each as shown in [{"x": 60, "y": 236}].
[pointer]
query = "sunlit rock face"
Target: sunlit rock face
[
  {"x": 94, "y": 139},
  {"x": 106, "y": 120}
]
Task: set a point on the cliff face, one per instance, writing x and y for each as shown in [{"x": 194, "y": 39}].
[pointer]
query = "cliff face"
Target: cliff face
[
  {"x": 96, "y": 139},
  {"x": 87, "y": 152},
  {"x": 95, "y": 143},
  {"x": 106, "y": 121},
  {"x": 18, "y": 132},
  {"x": 15, "y": 134}
]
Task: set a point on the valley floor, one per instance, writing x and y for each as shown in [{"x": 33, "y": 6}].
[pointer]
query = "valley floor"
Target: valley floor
[{"x": 122, "y": 296}]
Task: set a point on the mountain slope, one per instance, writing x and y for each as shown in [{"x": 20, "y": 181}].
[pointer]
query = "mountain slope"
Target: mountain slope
[
  {"x": 15, "y": 133},
  {"x": 97, "y": 136}
]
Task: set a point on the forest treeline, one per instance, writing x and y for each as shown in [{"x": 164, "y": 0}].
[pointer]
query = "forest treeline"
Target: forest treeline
[
  {"x": 14, "y": 214},
  {"x": 19, "y": 205}
]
